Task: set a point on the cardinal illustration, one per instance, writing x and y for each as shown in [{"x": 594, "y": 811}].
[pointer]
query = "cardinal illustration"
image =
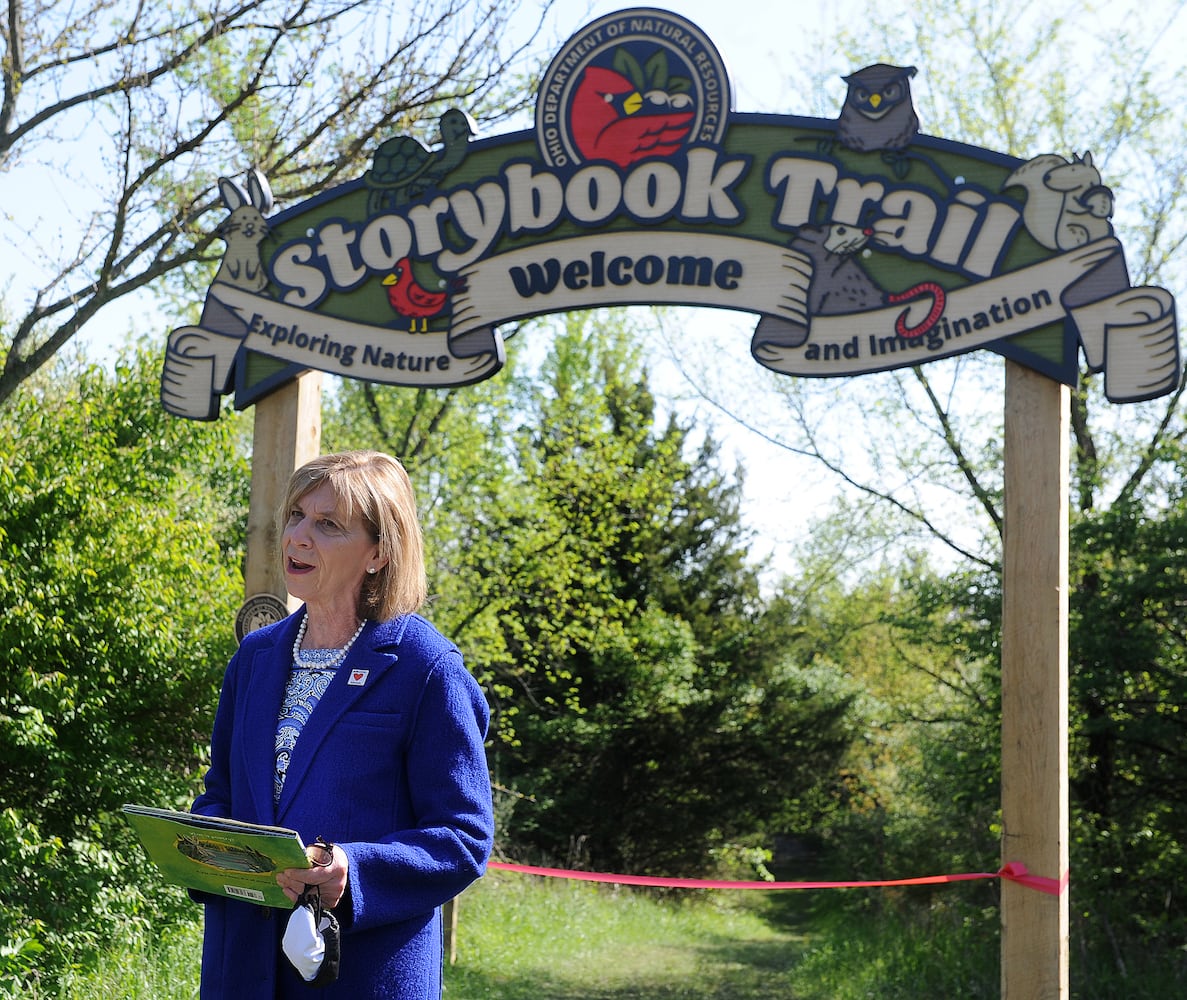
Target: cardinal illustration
[
  {"x": 613, "y": 119},
  {"x": 409, "y": 299}
]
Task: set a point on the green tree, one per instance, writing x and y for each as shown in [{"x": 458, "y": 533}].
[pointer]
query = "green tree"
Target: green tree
[
  {"x": 120, "y": 550},
  {"x": 916, "y": 455},
  {"x": 693, "y": 731},
  {"x": 593, "y": 564},
  {"x": 159, "y": 100},
  {"x": 1130, "y": 691}
]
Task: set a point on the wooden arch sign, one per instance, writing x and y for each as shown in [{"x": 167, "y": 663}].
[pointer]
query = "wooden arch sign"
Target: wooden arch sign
[{"x": 859, "y": 242}]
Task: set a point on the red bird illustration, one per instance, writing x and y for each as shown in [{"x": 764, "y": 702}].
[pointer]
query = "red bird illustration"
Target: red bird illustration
[
  {"x": 611, "y": 119},
  {"x": 411, "y": 300}
]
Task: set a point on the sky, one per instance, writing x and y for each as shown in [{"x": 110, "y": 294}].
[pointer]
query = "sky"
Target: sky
[
  {"x": 755, "y": 39},
  {"x": 759, "y": 41},
  {"x": 762, "y": 43}
]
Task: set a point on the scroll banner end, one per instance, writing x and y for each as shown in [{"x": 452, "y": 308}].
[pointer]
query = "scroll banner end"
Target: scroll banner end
[
  {"x": 197, "y": 370},
  {"x": 772, "y": 335},
  {"x": 1133, "y": 338}
]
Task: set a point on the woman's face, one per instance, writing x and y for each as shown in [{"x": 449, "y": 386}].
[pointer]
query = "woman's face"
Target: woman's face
[{"x": 326, "y": 555}]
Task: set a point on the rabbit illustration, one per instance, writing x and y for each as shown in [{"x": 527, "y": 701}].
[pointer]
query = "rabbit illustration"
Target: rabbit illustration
[{"x": 243, "y": 230}]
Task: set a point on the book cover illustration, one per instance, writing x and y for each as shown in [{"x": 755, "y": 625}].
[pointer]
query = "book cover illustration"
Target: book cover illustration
[{"x": 220, "y": 856}]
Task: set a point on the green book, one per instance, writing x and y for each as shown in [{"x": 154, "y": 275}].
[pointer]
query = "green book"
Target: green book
[{"x": 223, "y": 857}]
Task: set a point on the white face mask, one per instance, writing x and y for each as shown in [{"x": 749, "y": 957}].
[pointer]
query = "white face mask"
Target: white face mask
[{"x": 311, "y": 941}]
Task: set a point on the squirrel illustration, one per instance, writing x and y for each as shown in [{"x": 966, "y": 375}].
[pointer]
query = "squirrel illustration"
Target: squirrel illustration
[{"x": 1066, "y": 203}]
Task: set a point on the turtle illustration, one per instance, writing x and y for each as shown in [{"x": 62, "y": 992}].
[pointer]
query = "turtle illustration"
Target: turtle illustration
[{"x": 404, "y": 168}]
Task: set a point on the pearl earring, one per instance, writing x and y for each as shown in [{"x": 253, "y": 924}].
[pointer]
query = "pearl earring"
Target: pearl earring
[{"x": 371, "y": 570}]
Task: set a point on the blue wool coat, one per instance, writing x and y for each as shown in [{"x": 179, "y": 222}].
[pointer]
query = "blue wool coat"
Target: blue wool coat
[{"x": 391, "y": 770}]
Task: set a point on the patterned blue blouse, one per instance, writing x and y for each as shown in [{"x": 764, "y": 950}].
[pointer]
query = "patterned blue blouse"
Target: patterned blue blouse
[{"x": 306, "y": 684}]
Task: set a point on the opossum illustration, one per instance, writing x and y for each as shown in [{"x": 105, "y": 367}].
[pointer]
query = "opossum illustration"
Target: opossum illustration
[{"x": 840, "y": 284}]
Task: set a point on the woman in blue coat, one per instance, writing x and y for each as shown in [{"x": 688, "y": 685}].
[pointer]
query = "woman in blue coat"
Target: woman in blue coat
[{"x": 354, "y": 722}]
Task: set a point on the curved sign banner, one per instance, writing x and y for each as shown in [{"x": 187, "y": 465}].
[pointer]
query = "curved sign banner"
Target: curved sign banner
[{"x": 859, "y": 242}]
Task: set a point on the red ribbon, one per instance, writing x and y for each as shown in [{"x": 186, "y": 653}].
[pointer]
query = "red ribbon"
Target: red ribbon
[{"x": 1014, "y": 871}]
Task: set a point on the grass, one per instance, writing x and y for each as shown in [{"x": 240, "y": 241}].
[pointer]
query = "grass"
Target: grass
[
  {"x": 522, "y": 938},
  {"x": 525, "y": 938},
  {"x": 139, "y": 966}
]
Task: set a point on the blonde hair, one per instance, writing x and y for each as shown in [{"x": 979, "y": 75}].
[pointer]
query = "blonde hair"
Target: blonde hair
[{"x": 375, "y": 485}]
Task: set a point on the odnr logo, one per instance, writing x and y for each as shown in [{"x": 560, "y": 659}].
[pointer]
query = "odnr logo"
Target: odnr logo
[{"x": 634, "y": 85}]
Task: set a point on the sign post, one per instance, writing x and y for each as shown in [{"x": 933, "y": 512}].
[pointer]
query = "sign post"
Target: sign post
[
  {"x": 287, "y": 434},
  {"x": 1034, "y": 946}
]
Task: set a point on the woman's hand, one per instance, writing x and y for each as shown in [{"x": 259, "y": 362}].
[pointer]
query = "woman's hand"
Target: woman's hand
[{"x": 329, "y": 871}]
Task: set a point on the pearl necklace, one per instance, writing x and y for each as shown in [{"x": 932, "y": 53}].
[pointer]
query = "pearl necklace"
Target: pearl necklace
[{"x": 300, "y": 659}]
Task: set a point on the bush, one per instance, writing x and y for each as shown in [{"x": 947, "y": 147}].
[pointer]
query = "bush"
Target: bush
[{"x": 119, "y": 580}]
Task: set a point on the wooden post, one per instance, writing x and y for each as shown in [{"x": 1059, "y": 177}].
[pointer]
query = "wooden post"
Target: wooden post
[
  {"x": 287, "y": 434},
  {"x": 1034, "y": 945},
  {"x": 449, "y": 929}
]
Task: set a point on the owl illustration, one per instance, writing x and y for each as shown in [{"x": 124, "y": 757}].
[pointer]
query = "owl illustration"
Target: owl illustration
[{"x": 878, "y": 113}]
